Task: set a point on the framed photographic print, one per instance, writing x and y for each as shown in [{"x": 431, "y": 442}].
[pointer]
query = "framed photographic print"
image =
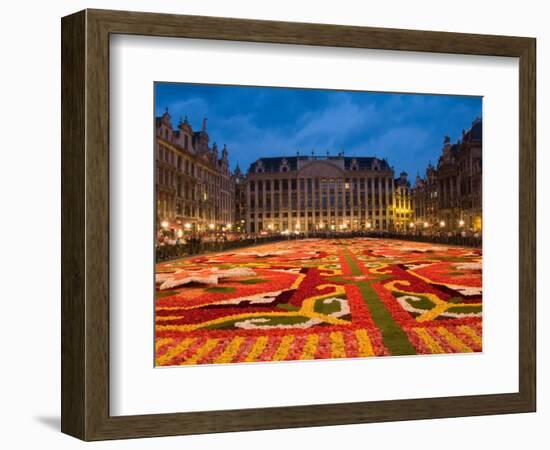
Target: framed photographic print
[{"x": 270, "y": 224}]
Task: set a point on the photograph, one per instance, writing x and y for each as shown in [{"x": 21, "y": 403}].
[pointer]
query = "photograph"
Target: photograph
[
  {"x": 303, "y": 224},
  {"x": 275, "y": 225}
]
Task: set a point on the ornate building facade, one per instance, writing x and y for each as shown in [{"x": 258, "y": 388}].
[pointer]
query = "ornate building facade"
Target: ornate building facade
[
  {"x": 425, "y": 198},
  {"x": 450, "y": 196},
  {"x": 403, "y": 205},
  {"x": 312, "y": 193},
  {"x": 194, "y": 188},
  {"x": 239, "y": 181}
]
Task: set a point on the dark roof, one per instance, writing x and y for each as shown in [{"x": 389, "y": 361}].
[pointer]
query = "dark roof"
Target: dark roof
[
  {"x": 273, "y": 164},
  {"x": 476, "y": 132},
  {"x": 364, "y": 162}
]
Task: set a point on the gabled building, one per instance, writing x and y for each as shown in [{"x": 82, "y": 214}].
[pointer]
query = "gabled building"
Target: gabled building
[
  {"x": 315, "y": 193},
  {"x": 449, "y": 197},
  {"x": 403, "y": 204},
  {"x": 194, "y": 188},
  {"x": 239, "y": 181}
]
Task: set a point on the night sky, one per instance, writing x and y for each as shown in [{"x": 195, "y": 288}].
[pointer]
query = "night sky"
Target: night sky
[{"x": 254, "y": 122}]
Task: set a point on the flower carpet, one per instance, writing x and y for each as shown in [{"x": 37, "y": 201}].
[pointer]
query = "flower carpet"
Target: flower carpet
[{"x": 318, "y": 299}]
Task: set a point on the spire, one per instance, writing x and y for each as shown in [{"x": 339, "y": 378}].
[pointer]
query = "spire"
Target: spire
[
  {"x": 166, "y": 117},
  {"x": 204, "y": 124}
]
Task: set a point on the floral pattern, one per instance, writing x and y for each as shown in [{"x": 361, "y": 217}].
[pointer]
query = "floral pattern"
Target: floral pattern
[{"x": 319, "y": 299}]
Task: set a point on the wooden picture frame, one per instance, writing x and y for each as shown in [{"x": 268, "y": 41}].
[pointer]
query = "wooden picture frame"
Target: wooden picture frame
[{"x": 85, "y": 224}]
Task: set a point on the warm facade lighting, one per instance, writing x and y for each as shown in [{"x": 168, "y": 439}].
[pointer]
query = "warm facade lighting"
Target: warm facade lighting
[{"x": 164, "y": 224}]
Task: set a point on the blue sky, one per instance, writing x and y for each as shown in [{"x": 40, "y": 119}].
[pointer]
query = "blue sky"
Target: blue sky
[{"x": 407, "y": 129}]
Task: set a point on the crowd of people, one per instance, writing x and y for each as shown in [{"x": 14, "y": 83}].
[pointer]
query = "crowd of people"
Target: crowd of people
[{"x": 193, "y": 243}]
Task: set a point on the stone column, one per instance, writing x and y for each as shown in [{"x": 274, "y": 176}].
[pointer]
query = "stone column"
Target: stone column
[
  {"x": 256, "y": 204},
  {"x": 289, "y": 204},
  {"x": 264, "y": 209},
  {"x": 332, "y": 191},
  {"x": 272, "y": 208},
  {"x": 306, "y": 205},
  {"x": 298, "y": 203},
  {"x": 366, "y": 193},
  {"x": 358, "y": 202},
  {"x": 336, "y": 203},
  {"x": 345, "y": 210},
  {"x": 326, "y": 208},
  {"x": 352, "y": 202},
  {"x": 247, "y": 207},
  {"x": 344, "y": 204},
  {"x": 375, "y": 215},
  {"x": 393, "y": 192},
  {"x": 313, "y": 204},
  {"x": 387, "y": 205},
  {"x": 281, "y": 216}
]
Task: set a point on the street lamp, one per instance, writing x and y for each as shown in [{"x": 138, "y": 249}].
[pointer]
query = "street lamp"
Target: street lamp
[
  {"x": 369, "y": 225},
  {"x": 442, "y": 224},
  {"x": 426, "y": 224},
  {"x": 164, "y": 224},
  {"x": 187, "y": 226},
  {"x": 211, "y": 226},
  {"x": 228, "y": 226},
  {"x": 461, "y": 223},
  {"x": 411, "y": 225}
]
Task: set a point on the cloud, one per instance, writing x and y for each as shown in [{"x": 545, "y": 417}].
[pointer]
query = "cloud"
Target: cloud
[
  {"x": 260, "y": 122},
  {"x": 404, "y": 147},
  {"x": 327, "y": 128},
  {"x": 195, "y": 108}
]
